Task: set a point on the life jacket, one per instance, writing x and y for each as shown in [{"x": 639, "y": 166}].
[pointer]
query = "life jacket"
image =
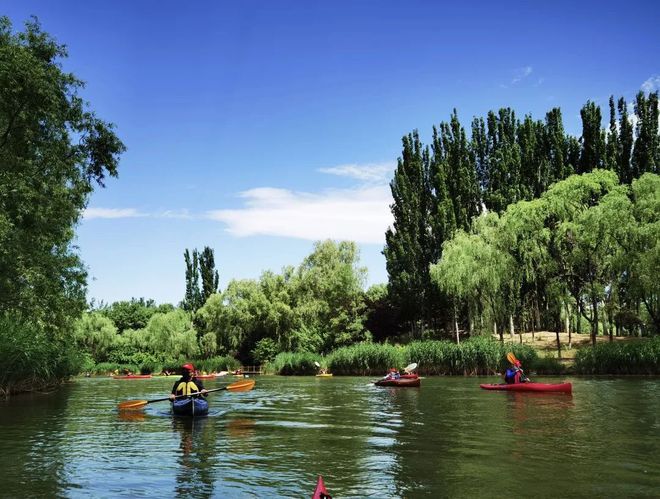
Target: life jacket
[
  {"x": 187, "y": 388},
  {"x": 510, "y": 375}
]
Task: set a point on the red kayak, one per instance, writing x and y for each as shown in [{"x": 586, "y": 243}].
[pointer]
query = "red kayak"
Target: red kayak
[
  {"x": 409, "y": 376},
  {"x": 398, "y": 382},
  {"x": 131, "y": 376},
  {"x": 530, "y": 387},
  {"x": 319, "y": 491}
]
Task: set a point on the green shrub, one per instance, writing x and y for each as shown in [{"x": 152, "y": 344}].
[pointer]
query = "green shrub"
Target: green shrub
[{"x": 217, "y": 364}]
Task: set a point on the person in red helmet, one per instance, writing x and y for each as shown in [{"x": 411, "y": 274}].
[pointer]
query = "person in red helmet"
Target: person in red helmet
[{"x": 188, "y": 384}]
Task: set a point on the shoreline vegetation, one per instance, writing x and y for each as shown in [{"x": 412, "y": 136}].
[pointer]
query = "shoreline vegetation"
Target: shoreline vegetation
[
  {"x": 509, "y": 225},
  {"x": 479, "y": 356}
]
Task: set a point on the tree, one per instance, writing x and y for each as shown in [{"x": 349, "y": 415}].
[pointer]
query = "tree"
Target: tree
[
  {"x": 408, "y": 252},
  {"x": 199, "y": 265},
  {"x": 209, "y": 274},
  {"x": 592, "y": 154},
  {"x": 53, "y": 149},
  {"x": 646, "y": 152}
]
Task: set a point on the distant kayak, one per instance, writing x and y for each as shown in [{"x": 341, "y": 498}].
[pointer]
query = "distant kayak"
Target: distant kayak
[
  {"x": 401, "y": 382},
  {"x": 131, "y": 376},
  {"x": 193, "y": 406},
  {"x": 324, "y": 375},
  {"x": 206, "y": 376},
  {"x": 530, "y": 387},
  {"x": 320, "y": 492}
]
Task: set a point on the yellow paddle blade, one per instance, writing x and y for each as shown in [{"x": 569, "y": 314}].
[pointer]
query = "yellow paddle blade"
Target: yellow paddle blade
[
  {"x": 241, "y": 386},
  {"x": 511, "y": 358},
  {"x": 132, "y": 405}
]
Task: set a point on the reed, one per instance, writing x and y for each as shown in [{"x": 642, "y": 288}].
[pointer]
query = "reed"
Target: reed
[
  {"x": 638, "y": 357},
  {"x": 364, "y": 359},
  {"x": 293, "y": 363}
]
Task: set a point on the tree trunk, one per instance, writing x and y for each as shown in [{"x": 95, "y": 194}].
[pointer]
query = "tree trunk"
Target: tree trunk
[
  {"x": 495, "y": 332},
  {"x": 567, "y": 324},
  {"x": 458, "y": 338},
  {"x": 558, "y": 343},
  {"x": 594, "y": 320},
  {"x": 511, "y": 329}
]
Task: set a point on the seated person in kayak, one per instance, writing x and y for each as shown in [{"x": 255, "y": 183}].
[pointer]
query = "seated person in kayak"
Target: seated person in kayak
[
  {"x": 514, "y": 374},
  {"x": 393, "y": 374},
  {"x": 188, "y": 384}
]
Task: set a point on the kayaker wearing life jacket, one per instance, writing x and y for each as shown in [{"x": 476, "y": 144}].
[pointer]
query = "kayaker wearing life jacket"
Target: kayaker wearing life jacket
[
  {"x": 188, "y": 384},
  {"x": 514, "y": 374},
  {"x": 393, "y": 374}
]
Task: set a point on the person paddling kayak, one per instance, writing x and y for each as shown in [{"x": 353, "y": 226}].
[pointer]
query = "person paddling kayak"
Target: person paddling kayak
[
  {"x": 393, "y": 374},
  {"x": 514, "y": 374},
  {"x": 188, "y": 384}
]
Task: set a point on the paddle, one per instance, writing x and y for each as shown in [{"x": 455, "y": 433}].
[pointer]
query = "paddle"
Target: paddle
[
  {"x": 513, "y": 360},
  {"x": 410, "y": 367},
  {"x": 239, "y": 386}
]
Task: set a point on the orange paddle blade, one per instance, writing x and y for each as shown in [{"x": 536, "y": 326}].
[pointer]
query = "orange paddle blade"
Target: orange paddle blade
[
  {"x": 241, "y": 386},
  {"x": 132, "y": 405},
  {"x": 511, "y": 358}
]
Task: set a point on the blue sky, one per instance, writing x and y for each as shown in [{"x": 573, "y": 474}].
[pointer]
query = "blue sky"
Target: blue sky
[{"x": 256, "y": 128}]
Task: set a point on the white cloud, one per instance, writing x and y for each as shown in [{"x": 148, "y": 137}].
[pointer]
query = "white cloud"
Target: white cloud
[
  {"x": 91, "y": 213},
  {"x": 376, "y": 172},
  {"x": 521, "y": 73},
  {"x": 651, "y": 84},
  {"x": 361, "y": 214}
]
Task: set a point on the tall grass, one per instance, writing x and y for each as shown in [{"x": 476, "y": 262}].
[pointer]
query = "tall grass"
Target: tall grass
[
  {"x": 33, "y": 359},
  {"x": 366, "y": 359},
  {"x": 639, "y": 357},
  {"x": 294, "y": 363}
]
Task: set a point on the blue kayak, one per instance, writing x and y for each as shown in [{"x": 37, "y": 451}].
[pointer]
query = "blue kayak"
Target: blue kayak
[{"x": 196, "y": 406}]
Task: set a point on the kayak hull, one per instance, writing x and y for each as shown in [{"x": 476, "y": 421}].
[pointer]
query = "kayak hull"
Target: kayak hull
[
  {"x": 401, "y": 382},
  {"x": 320, "y": 492},
  {"x": 131, "y": 376},
  {"x": 191, "y": 407},
  {"x": 409, "y": 376},
  {"x": 324, "y": 375},
  {"x": 530, "y": 387}
]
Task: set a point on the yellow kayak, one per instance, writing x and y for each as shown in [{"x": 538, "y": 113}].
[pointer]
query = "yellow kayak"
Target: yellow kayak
[{"x": 325, "y": 375}]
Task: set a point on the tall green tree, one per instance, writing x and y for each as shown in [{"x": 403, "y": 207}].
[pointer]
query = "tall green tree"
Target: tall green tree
[
  {"x": 592, "y": 154},
  {"x": 53, "y": 151},
  {"x": 208, "y": 273},
  {"x": 408, "y": 252},
  {"x": 626, "y": 141},
  {"x": 192, "y": 300},
  {"x": 646, "y": 152}
]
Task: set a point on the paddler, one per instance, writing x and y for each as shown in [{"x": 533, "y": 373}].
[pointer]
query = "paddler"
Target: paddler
[{"x": 188, "y": 384}]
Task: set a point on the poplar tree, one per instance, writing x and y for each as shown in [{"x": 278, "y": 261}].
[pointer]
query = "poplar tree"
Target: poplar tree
[
  {"x": 208, "y": 273},
  {"x": 193, "y": 298},
  {"x": 592, "y": 154},
  {"x": 613, "y": 154},
  {"x": 646, "y": 153},
  {"x": 407, "y": 249},
  {"x": 626, "y": 141}
]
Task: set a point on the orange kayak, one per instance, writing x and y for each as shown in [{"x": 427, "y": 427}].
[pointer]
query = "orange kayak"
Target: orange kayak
[{"x": 131, "y": 376}]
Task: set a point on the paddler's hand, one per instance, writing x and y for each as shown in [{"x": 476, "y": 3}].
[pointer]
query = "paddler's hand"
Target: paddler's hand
[
  {"x": 172, "y": 396},
  {"x": 204, "y": 392}
]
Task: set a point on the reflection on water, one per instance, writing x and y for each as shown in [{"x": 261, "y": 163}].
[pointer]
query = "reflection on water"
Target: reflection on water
[{"x": 448, "y": 438}]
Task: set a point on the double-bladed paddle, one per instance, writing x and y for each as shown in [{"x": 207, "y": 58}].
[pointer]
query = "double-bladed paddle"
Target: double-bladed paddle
[{"x": 239, "y": 386}]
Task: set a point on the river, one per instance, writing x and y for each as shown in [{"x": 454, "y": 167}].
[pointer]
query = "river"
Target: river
[{"x": 445, "y": 439}]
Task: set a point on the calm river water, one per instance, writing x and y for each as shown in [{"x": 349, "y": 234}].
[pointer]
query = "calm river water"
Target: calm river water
[{"x": 445, "y": 439}]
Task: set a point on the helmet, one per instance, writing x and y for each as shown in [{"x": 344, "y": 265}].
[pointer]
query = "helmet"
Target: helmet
[
  {"x": 517, "y": 363},
  {"x": 188, "y": 367}
]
